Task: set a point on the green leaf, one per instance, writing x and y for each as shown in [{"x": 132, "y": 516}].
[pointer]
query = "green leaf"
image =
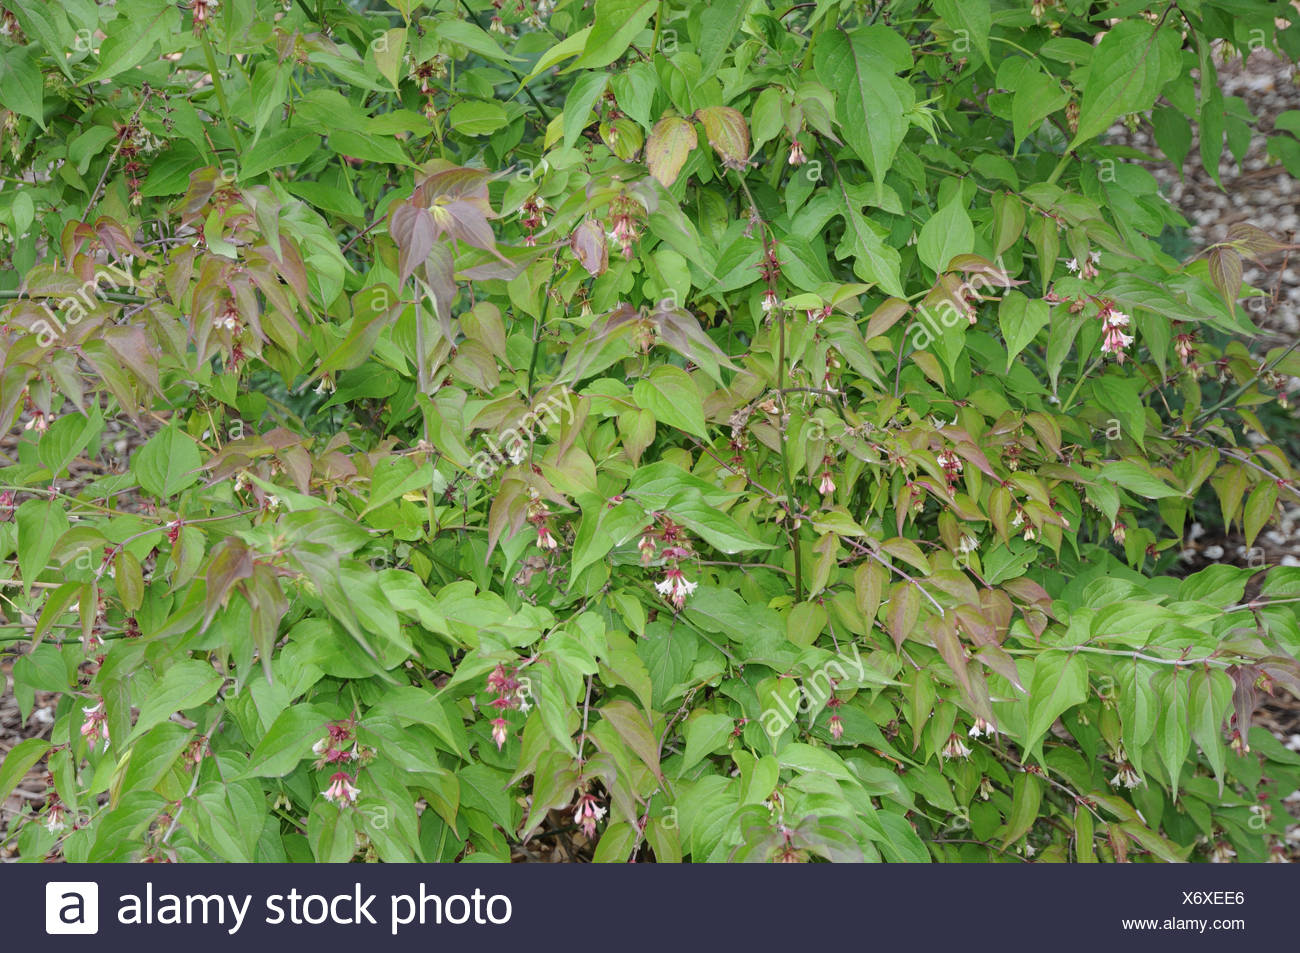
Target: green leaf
[
  {"x": 615, "y": 844},
  {"x": 89, "y": 144},
  {"x": 1026, "y": 796},
  {"x": 1020, "y": 319},
  {"x": 131, "y": 36},
  {"x": 153, "y": 756},
  {"x": 1259, "y": 509},
  {"x": 1173, "y": 132},
  {"x": 577, "y": 105},
  {"x": 41, "y": 523},
  {"x": 485, "y": 789},
  {"x": 286, "y": 742},
  {"x": 1173, "y": 737},
  {"x": 18, "y": 762},
  {"x": 413, "y": 705},
  {"x": 22, "y": 87},
  {"x": 48, "y": 23},
  {"x": 389, "y": 57},
  {"x": 874, "y": 260},
  {"x": 872, "y": 102},
  {"x": 1036, "y": 97},
  {"x": 947, "y": 234},
  {"x": 473, "y": 38},
  {"x": 285, "y": 148},
  {"x": 1130, "y": 66},
  {"x": 477, "y": 118},
  {"x": 1136, "y": 478},
  {"x": 671, "y": 395},
  {"x": 720, "y": 24},
  {"x": 971, "y": 20},
  {"x": 805, "y": 624},
  {"x": 713, "y": 526},
  {"x": 167, "y": 464},
  {"x": 331, "y": 832},
  {"x": 117, "y": 833},
  {"x": 617, "y": 23},
  {"x": 1210, "y": 696},
  {"x": 67, "y": 437},
  {"x": 185, "y": 685},
  {"x": 705, "y": 733},
  {"x": 1060, "y": 682},
  {"x": 631, "y": 725}
]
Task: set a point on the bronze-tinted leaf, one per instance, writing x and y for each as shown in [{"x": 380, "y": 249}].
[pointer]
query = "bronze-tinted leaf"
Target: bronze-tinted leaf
[
  {"x": 591, "y": 247},
  {"x": 414, "y": 230},
  {"x": 904, "y": 609},
  {"x": 231, "y": 561},
  {"x": 886, "y": 316},
  {"x": 632, "y": 727},
  {"x": 1253, "y": 241},
  {"x": 1225, "y": 272},
  {"x": 1244, "y": 697}
]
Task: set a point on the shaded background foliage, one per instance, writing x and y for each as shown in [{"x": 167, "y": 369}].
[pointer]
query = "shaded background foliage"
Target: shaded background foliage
[{"x": 701, "y": 432}]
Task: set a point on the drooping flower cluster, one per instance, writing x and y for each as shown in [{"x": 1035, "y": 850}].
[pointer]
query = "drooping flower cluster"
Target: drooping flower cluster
[
  {"x": 770, "y": 271},
  {"x": 339, "y": 746},
  {"x": 955, "y": 747},
  {"x": 497, "y": 24},
  {"x": 836, "y": 723},
  {"x": 228, "y": 319},
  {"x": 9, "y": 27},
  {"x": 674, "y": 586},
  {"x": 1085, "y": 269},
  {"x": 952, "y": 467},
  {"x": 539, "y": 13},
  {"x": 797, "y": 157},
  {"x": 826, "y": 485},
  {"x": 342, "y": 790},
  {"x": 203, "y": 11},
  {"x": 587, "y": 813},
  {"x": 425, "y": 74},
  {"x": 508, "y": 689},
  {"x": 1185, "y": 347},
  {"x": 1114, "y": 340},
  {"x": 624, "y": 228},
  {"x": 55, "y": 813},
  {"x": 532, "y": 217},
  {"x": 1125, "y": 776},
  {"x": 95, "y": 726},
  {"x": 539, "y": 515}
]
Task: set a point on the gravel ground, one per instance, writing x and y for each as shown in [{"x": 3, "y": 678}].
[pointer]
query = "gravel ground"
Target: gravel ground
[{"x": 1259, "y": 192}]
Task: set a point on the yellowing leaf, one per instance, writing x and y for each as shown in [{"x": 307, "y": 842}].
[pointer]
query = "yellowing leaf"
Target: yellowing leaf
[
  {"x": 728, "y": 134},
  {"x": 669, "y": 145}
]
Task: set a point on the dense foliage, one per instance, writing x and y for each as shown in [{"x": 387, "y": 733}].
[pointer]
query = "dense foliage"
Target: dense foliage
[{"x": 707, "y": 430}]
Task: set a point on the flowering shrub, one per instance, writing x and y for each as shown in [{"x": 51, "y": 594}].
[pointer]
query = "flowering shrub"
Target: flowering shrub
[{"x": 703, "y": 431}]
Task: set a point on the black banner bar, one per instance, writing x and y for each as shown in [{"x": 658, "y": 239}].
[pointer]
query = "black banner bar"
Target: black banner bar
[{"x": 647, "y": 907}]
